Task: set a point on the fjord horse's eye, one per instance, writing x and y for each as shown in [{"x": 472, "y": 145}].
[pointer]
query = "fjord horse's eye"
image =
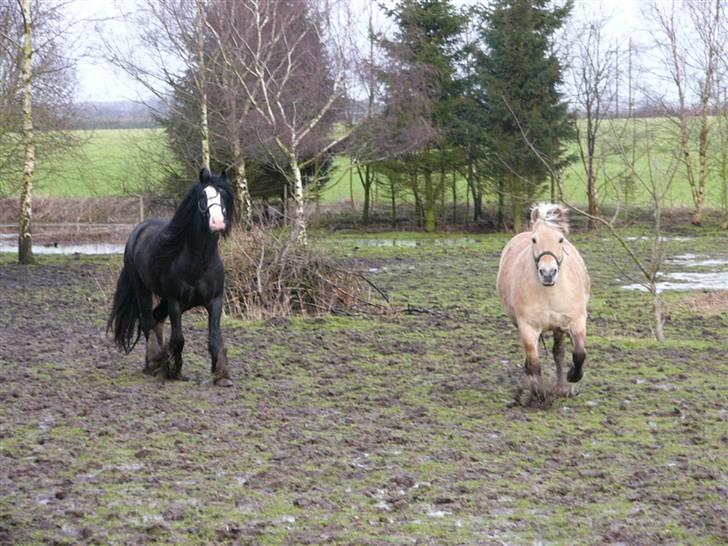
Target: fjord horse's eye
[
  {"x": 561, "y": 240},
  {"x": 534, "y": 240}
]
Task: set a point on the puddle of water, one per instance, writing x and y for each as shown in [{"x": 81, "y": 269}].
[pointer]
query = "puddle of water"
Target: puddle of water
[
  {"x": 647, "y": 238},
  {"x": 409, "y": 243},
  {"x": 693, "y": 260},
  {"x": 715, "y": 280},
  {"x": 89, "y": 248}
]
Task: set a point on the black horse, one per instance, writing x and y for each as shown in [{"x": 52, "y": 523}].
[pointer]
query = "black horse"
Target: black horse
[{"x": 178, "y": 261}]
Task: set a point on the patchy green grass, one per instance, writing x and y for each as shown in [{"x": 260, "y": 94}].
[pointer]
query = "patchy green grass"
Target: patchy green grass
[
  {"x": 114, "y": 162},
  {"x": 363, "y": 430},
  {"x": 109, "y": 162}
]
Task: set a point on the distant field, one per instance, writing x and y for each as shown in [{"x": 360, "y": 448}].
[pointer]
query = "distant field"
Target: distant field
[
  {"x": 117, "y": 161},
  {"x": 574, "y": 177},
  {"x": 110, "y": 162}
]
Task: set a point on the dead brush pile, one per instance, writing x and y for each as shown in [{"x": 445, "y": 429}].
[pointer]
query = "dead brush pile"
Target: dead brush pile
[{"x": 267, "y": 275}]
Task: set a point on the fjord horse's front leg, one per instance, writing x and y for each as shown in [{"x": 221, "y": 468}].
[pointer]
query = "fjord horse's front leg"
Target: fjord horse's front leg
[
  {"x": 173, "y": 369},
  {"x": 216, "y": 345},
  {"x": 558, "y": 352},
  {"x": 578, "y": 338},
  {"x": 529, "y": 340}
]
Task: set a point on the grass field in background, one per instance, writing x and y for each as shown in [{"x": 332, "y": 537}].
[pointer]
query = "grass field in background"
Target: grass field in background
[
  {"x": 116, "y": 162},
  {"x": 109, "y": 162}
]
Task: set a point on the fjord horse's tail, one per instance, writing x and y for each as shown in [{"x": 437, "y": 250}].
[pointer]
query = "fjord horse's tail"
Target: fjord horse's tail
[{"x": 125, "y": 317}]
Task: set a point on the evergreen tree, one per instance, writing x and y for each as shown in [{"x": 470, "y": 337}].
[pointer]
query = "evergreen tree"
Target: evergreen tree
[
  {"x": 422, "y": 93},
  {"x": 520, "y": 76}
]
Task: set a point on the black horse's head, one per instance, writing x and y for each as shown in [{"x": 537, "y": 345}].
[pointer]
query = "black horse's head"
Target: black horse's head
[{"x": 214, "y": 196}]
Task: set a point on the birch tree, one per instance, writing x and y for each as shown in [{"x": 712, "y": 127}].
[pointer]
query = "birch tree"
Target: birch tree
[
  {"x": 687, "y": 41},
  {"x": 593, "y": 71},
  {"x": 163, "y": 48},
  {"x": 25, "y": 238},
  {"x": 292, "y": 82}
]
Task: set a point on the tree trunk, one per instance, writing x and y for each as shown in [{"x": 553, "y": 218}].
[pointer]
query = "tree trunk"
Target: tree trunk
[
  {"x": 430, "y": 203},
  {"x": 204, "y": 126},
  {"x": 365, "y": 206},
  {"x": 299, "y": 221},
  {"x": 501, "y": 204},
  {"x": 242, "y": 192},
  {"x": 393, "y": 196},
  {"x": 454, "y": 198},
  {"x": 657, "y": 317},
  {"x": 517, "y": 215},
  {"x": 366, "y": 179},
  {"x": 25, "y": 239},
  {"x": 419, "y": 209},
  {"x": 351, "y": 186}
]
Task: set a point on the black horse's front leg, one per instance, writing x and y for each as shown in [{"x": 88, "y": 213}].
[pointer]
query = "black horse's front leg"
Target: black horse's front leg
[
  {"x": 173, "y": 369},
  {"x": 216, "y": 345}
]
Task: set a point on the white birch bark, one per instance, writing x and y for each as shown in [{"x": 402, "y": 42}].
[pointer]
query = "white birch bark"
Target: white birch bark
[{"x": 25, "y": 240}]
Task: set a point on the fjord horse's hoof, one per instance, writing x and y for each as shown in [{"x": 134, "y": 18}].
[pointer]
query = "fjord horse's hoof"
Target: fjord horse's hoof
[
  {"x": 575, "y": 374},
  {"x": 222, "y": 382}
]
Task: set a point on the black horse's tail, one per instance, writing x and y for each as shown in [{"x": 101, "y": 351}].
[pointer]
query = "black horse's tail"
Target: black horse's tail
[{"x": 125, "y": 317}]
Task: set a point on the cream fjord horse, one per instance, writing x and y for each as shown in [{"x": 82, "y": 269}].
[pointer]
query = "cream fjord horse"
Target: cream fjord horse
[{"x": 544, "y": 286}]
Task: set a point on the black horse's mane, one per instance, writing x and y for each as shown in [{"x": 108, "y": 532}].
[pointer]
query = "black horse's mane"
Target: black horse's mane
[{"x": 187, "y": 219}]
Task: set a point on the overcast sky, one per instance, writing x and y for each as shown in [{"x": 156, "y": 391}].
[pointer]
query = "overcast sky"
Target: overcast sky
[{"x": 98, "y": 80}]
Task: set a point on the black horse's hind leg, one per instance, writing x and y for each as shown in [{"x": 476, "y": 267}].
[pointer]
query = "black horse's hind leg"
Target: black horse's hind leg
[
  {"x": 157, "y": 355},
  {"x": 216, "y": 345},
  {"x": 173, "y": 369},
  {"x": 153, "y": 351}
]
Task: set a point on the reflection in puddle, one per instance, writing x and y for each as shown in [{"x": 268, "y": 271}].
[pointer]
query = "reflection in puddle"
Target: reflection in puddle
[{"x": 88, "y": 248}]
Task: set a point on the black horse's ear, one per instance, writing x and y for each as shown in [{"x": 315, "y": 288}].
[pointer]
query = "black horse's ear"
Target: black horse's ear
[{"x": 204, "y": 175}]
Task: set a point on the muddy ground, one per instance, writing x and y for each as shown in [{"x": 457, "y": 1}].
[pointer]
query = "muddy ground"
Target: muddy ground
[{"x": 364, "y": 430}]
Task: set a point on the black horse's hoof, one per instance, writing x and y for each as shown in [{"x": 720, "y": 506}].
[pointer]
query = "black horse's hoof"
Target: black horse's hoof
[
  {"x": 151, "y": 370},
  {"x": 575, "y": 374}
]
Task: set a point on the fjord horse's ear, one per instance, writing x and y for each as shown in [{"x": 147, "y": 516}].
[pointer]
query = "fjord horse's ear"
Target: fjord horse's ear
[
  {"x": 204, "y": 175},
  {"x": 537, "y": 213}
]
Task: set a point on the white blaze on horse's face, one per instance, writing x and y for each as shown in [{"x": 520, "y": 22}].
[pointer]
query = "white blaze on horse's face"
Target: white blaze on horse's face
[
  {"x": 548, "y": 252},
  {"x": 214, "y": 209}
]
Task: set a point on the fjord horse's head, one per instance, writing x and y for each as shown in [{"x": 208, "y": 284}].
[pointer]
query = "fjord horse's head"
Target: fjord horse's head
[{"x": 548, "y": 230}]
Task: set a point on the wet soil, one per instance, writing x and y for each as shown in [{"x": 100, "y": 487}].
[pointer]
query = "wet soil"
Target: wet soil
[{"x": 358, "y": 430}]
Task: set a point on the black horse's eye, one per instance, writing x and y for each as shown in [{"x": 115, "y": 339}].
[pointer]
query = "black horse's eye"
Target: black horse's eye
[{"x": 534, "y": 240}]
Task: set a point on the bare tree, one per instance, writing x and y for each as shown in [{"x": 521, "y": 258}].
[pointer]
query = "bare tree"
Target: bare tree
[
  {"x": 164, "y": 50},
  {"x": 657, "y": 183},
  {"x": 25, "y": 240},
  {"x": 593, "y": 71},
  {"x": 291, "y": 81},
  {"x": 52, "y": 86},
  {"x": 687, "y": 41}
]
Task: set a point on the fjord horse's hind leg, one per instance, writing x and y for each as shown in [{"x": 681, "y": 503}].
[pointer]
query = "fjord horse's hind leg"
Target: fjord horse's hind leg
[{"x": 216, "y": 345}]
